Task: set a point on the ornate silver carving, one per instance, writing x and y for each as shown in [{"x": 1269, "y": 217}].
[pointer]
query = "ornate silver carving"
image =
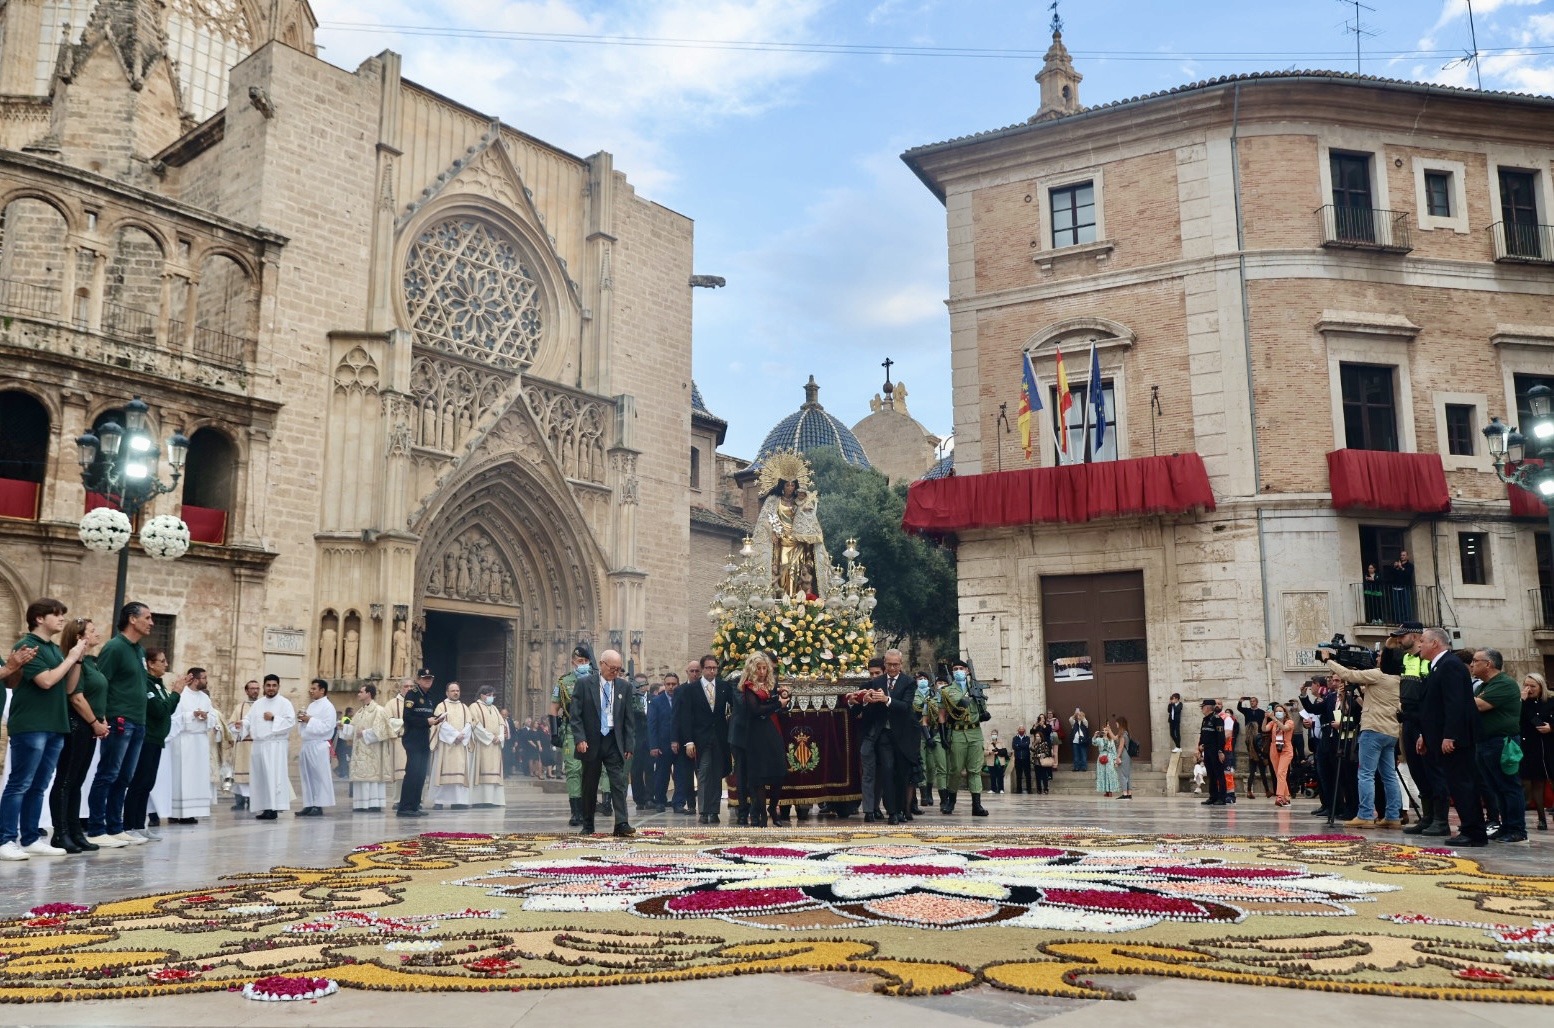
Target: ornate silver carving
[{"x": 469, "y": 291}]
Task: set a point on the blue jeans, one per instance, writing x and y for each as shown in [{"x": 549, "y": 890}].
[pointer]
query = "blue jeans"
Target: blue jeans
[
  {"x": 1505, "y": 788},
  {"x": 33, "y": 756},
  {"x": 116, "y": 760},
  {"x": 1082, "y": 756},
  {"x": 1379, "y": 751}
]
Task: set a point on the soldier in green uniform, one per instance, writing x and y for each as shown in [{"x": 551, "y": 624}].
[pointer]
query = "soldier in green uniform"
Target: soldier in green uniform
[
  {"x": 931, "y": 754},
  {"x": 964, "y": 716},
  {"x": 561, "y": 734}
]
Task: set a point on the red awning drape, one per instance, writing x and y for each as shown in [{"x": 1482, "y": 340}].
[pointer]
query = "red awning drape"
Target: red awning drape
[
  {"x": 1071, "y": 494},
  {"x": 95, "y": 500},
  {"x": 206, "y": 525},
  {"x": 1525, "y": 504},
  {"x": 1381, "y": 480},
  {"x": 19, "y": 499}
]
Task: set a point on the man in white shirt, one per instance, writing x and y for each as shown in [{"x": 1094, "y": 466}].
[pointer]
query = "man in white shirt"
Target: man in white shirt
[
  {"x": 188, "y": 748},
  {"x": 317, "y": 728},
  {"x": 269, "y": 725}
]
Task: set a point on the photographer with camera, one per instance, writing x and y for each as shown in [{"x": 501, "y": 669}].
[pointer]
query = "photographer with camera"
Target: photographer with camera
[{"x": 1378, "y": 700}]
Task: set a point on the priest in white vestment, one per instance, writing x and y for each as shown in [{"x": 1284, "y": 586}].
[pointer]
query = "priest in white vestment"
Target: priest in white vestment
[
  {"x": 269, "y": 726},
  {"x": 395, "y": 709},
  {"x": 188, "y": 751},
  {"x": 372, "y": 751},
  {"x": 450, "y": 752},
  {"x": 242, "y": 747},
  {"x": 317, "y": 727},
  {"x": 488, "y": 737}
]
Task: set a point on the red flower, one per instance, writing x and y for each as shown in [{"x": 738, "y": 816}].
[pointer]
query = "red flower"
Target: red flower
[
  {"x": 915, "y": 870},
  {"x": 1146, "y": 903},
  {"x": 490, "y": 965},
  {"x": 713, "y": 902}
]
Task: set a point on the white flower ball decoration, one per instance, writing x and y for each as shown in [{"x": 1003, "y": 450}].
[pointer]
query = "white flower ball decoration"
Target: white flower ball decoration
[
  {"x": 105, "y": 530},
  {"x": 165, "y": 537}
]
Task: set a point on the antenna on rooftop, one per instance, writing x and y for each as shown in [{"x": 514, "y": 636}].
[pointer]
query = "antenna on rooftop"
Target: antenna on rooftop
[
  {"x": 1470, "y": 56},
  {"x": 1359, "y": 28}
]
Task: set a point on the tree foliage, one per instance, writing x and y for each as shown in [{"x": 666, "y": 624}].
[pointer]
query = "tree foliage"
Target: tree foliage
[{"x": 913, "y": 579}]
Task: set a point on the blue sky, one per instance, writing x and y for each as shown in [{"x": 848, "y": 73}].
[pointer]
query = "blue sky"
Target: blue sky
[{"x": 788, "y": 157}]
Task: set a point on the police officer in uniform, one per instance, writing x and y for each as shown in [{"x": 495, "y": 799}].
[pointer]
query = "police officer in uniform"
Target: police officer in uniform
[
  {"x": 417, "y": 741},
  {"x": 1211, "y": 746},
  {"x": 561, "y": 734},
  {"x": 964, "y": 715}
]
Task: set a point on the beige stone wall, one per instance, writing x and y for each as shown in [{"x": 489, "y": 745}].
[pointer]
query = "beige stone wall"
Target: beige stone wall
[{"x": 710, "y": 551}]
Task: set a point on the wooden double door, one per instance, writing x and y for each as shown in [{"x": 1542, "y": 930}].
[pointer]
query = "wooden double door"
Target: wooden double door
[{"x": 1097, "y": 650}]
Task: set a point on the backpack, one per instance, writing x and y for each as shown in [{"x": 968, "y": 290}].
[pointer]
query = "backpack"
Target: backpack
[{"x": 1133, "y": 747}]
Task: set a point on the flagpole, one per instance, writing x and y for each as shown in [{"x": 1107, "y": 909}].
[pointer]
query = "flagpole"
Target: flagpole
[{"x": 1089, "y": 386}]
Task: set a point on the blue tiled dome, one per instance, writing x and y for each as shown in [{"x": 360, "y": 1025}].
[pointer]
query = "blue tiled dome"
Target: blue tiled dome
[
  {"x": 944, "y": 467},
  {"x": 811, "y": 427}
]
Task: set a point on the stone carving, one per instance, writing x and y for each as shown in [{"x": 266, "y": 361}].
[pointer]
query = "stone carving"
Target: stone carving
[
  {"x": 450, "y": 399},
  {"x": 472, "y": 568},
  {"x": 399, "y": 661},
  {"x": 328, "y": 653},
  {"x": 356, "y": 372},
  {"x": 574, "y": 425},
  {"x": 349, "y": 666},
  {"x": 470, "y": 291},
  {"x": 1307, "y": 620}
]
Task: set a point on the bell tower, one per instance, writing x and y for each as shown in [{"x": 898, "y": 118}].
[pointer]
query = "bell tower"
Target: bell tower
[{"x": 1057, "y": 77}]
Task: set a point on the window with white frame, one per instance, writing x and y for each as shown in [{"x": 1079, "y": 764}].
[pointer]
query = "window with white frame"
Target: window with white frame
[
  {"x": 1085, "y": 425},
  {"x": 1440, "y": 191},
  {"x": 1073, "y": 214}
]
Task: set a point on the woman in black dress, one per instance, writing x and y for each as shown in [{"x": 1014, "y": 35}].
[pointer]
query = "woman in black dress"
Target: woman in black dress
[
  {"x": 1537, "y": 743},
  {"x": 766, "y": 757}
]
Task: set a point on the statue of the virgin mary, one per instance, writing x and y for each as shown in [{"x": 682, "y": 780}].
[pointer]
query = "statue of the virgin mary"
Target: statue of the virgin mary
[{"x": 787, "y": 535}]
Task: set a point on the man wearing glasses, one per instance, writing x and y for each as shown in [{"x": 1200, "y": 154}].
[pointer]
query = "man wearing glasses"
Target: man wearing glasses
[{"x": 602, "y": 735}]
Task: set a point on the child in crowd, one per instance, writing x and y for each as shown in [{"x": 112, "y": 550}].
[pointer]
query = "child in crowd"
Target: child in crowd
[{"x": 1200, "y": 774}]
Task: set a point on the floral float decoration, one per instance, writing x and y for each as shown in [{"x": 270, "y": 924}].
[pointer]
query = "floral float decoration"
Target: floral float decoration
[
  {"x": 173, "y": 975},
  {"x": 165, "y": 537},
  {"x": 105, "y": 530},
  {"x": 278, "y": 988}
]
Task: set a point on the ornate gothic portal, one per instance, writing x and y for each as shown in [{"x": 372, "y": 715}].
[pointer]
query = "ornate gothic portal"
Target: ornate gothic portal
[{"x": 509, "y": 579}]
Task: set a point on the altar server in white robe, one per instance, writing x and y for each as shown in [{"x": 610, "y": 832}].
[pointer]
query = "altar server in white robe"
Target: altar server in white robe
[
  {"x": 395, "y": 709},
  {"x": 372, "y": 759},
  {"x": 188, "y": 752},
  {"x": 450, "y": 752},
  {"x": 241, "y": 748},
  {"x": 269, "y": 726},
  {"x": 317, "y": 728},
  {"x": 488, "y": 730}
]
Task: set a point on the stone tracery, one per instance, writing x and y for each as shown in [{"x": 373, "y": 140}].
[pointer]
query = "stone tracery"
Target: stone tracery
[
  {"x": 469, "y": 290},
  {"x": 574, "y": 425},
  {"x": 450, "y": 400}
]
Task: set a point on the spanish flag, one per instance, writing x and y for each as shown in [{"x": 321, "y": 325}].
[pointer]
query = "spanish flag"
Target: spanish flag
[
  {"x": 1030, "y": 402},
  {"x": 1065, "y": 404}
]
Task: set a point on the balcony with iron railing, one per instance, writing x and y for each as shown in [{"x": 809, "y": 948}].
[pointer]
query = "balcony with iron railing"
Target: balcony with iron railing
[
  {"x": 28, "y": 300},
  {"x": 1542, "y": 608},
  {"x": 1523, "y": 243},
  {"x": 1391, "y": 605},
  {"x": 1363, "y": 228}
]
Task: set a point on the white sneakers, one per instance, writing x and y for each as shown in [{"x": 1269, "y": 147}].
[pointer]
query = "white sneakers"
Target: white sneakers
[
  {"x": 107, "y": 842},
  {"x": 129, "y": 838},
  {"x": 136, "y": 836},
  {"x": 13, "y": 851},
  {"x": 40, "y": 847}
]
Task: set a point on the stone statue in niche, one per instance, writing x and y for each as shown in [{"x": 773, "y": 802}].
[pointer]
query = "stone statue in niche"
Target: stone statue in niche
[
  {"x": 507, "y": 587},
  {"x": 328, "y": 653},
  {"x": 434, "y": 579},
  {"x": 466, "y": 568},
  {"x": 417, "y": 633},
  {"x": 399, "y": 662},
  {"x": 429, "y": 424},
  {"x": 349, "y": 666}
]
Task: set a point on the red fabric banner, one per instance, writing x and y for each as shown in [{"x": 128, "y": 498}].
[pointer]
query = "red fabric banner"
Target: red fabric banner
[
  {"x": 19, "y": 499},
  {"x": 1526, "y": 504},
  {"x": 206, "y": 525},
  {"x": 1382, "y": 480},
  {"x": 1069, "y": 494},
  {"x": 95, "y": 500}
]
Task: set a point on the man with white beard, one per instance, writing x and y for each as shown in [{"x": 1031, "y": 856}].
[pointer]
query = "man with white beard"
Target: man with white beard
[
  {"x": 242, "y": 749},
  {"x": 269, "y": 725},
  {"x": 372, "y": 757},
  {"x": 188, "y": 749},
  {"x": 489, "y": 729},
  {"x": 318, "y": 727},
  {"x": 450, "y": 752}
]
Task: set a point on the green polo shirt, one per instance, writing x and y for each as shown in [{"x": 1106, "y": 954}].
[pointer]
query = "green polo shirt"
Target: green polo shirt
[
  {"x": 93, "y": 686},
  {"x": 1506, "y": 696},
  {"x": 160, "y": 705},
  {"x": 34, "y": 708},
  {"x": 123, "y": 664}
]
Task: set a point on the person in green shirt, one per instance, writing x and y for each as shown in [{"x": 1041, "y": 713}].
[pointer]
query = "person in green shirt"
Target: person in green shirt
[
  {"x": 1499, "y": 704},
  {"x": 123, "y": 663},
  {"x": 88, "y": 699},
  {"x": 38, "y": 726},
  {"x": 160, "y": 705}
]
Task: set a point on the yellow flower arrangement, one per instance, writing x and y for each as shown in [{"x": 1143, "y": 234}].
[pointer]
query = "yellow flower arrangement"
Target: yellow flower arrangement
[{"x": 809, "y": 640}]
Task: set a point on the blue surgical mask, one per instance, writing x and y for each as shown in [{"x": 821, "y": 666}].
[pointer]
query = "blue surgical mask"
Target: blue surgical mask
[
  {"x": 960, "y": 677},
  {"x": 585, "y": 669},
  {"x": 922, "y": 685},
  {"x": 488, "y": 700}
]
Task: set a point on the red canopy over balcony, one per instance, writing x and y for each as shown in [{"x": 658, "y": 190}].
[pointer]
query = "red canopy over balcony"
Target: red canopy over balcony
[
  {"x": 1525, "y": 504},
  {"x": 1071, "y": 494},
  {"x": 1380, "y": 480}
]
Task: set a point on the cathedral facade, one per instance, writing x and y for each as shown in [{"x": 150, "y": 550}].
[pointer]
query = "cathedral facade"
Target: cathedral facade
[{"x": 406, "y": 341}]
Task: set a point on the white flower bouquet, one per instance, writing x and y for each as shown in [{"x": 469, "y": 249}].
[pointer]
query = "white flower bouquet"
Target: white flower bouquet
[
  {"x": 105, "y": 530},
  {"x": 165, "y": 537}
]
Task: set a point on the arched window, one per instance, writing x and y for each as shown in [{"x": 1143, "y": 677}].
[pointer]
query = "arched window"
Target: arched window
[
  {"x": 205, "y": 39},
  {"x": 60, "y": 21},
  {"x": 24, "y": 454},
  {"x": 132, "y": 295},
  {"x": 209, "y": 486},
  {"x": 32, "y": 259},
  {"x": 223, "y": 311}
]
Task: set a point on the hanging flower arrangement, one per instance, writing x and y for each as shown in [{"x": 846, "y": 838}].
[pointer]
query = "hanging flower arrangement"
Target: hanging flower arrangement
[
  {"x": 165, "y": 537},
  {"x": 105, "y": 530}
]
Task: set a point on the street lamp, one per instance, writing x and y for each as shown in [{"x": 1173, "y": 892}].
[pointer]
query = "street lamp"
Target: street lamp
[
  {"x": 120, "y": 463},
  {"x": 1511, "y": 448}
]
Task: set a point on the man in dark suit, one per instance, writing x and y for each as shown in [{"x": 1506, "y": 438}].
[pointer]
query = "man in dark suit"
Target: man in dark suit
[
  {"x": 702, "y": 710},
  {"x": 666, "y": 757},
  {"x": 1448, "y": 723},
  {"x": 601, "y": 729},
  {"x": 889, "y": 718}
]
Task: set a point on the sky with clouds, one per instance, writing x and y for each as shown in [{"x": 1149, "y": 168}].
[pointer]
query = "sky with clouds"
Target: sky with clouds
[{"x": 777, "y": 125}]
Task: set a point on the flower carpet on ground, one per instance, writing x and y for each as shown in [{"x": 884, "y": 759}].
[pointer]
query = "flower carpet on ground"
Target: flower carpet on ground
[{"x": 922, "y": 912}]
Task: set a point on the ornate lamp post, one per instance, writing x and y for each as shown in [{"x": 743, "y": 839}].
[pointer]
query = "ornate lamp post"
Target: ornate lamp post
[
  {"x": 127, "y": 476},
  {"x": 1510, "y": 449}
]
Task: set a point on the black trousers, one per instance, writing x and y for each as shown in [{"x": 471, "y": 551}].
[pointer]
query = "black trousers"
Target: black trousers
[
  {"x": 1327, "y": 768},
  {"x": 70, "y": 774},
  {"x": 609, "y": 760},
  {"x": 1460, "y": 771},
  {"x": 744, "y": 795},
  {"x": 1214, "y": 764},
  {"x": 709, "y": 778},
  {"x": 417, "y": 754},
  {"x": 139, "y": 792},
  {"x": 1022, "y": 776},
  {"x": 642, "y": 778},
  {"x": 1426, "y": 774},
  {"x": 893, "y": 774}
]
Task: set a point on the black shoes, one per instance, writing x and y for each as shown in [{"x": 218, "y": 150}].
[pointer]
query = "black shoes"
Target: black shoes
[
  {"x": 701, "y": 819},
  {"x": 1502, "y": 836},
  {"x": 576, "y": 807},
  {"x": 310, "y": 812},
  {"x": 624, "y": 830},
  {"x": 587, "y": 829},
  {"x": 1464, "y": 840},
  {"x": 1321, "y": 812},
  {"x": 401, "y": 812},
  {"x": 268, "y": 815},
  {"x": 977, "y": 809},
  {"x": 1436, "y": 829}
]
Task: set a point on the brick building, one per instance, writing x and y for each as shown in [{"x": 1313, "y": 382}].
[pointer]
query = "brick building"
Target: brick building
[
  {"x": 407, "y": 342},
  {"x": 1308, "y": 293}
]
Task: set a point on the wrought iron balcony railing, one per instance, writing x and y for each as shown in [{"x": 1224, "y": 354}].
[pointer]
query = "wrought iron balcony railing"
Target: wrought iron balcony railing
[
  {"x": 1525, "y": 244},
  {"x": 1364, "y": 228}
]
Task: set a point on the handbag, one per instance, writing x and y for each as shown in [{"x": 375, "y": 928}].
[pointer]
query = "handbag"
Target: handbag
[
  {"x": 1047, "y": 761},
  {"x": 1511, "y": 756},
  {"x": 1105, "y": 759}
]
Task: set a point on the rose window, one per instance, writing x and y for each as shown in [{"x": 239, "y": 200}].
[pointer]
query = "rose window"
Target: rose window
[{"x": 469, "y": 290}]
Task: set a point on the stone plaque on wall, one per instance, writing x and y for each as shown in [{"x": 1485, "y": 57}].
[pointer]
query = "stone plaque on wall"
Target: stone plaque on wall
[
  {"x": 292, "y": 641},
  {"x": 984, "y": 645},
  {"x": 1308, "y": 620}
]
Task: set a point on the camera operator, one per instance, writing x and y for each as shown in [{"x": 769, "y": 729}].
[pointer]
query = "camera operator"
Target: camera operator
[
  {"x": 1319, "y": 699},
  {"x": 1377, "y": 697}
]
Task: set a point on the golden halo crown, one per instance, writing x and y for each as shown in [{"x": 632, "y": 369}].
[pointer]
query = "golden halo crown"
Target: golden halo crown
[{"x": 785, "y": 464}]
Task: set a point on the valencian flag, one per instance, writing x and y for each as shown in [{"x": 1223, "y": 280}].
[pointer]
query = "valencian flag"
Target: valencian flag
[
  {"x": 1065, "y": 404},
  {"x": 1030, "y": 403},
  {"x": 1097, "y": 399}
]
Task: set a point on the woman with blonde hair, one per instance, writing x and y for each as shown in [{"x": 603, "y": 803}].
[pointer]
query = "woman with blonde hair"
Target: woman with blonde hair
[
  {"x": 1124, "y": 759},
  {"x": 766, "y": 758},
  {"x": 1279, "y": 727},
  {"x": 1537, "y": 743}
]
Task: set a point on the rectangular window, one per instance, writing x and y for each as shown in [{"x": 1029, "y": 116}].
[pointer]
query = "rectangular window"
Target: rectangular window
[
  {"x": 695, "y": 468},
  {"x": 1460, "y": 429},
  {"x": 1519, "y": 212},
  {"x": 1523, "y": 385},
  {"x": 1073, "y": 215},
  {"x": 1473, "y": 551},
  {"x": 1438, "y": 194},
  {"x": 164, "y": 630},
  {"x": 1370, "y": 411},
  {"x": 1082, "y": 426},
  {"x": 1354, "y": 218}
]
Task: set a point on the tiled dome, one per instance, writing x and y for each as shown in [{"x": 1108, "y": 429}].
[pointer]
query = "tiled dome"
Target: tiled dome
[
  {"x": 811, "y": 427},
  {"x": 944, "y": 467}
]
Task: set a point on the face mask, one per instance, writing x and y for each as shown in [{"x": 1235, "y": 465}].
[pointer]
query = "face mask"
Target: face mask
[
  {"x": 960, "y": 678},
  {"x": 1278, "y": 712},
  {"x": 585, "y": 669},
  {"x": 488, "y": 700},
  {"x": 922, "y": 685}
]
